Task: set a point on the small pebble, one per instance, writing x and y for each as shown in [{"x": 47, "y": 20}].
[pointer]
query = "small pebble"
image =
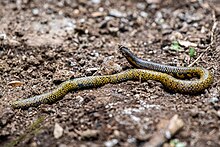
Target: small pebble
[
  {"x": 218, "y": 113},
  {"x": 93, "y": 69},
  {"x": 58, "y": 131},
  {"x": 62, "y": 145},
  {"x": 111, "y": 143},
  {"x": 116, "y": 133},
  {"x": 80, "y": 99},
  {"x": 33, "y": 144},
  {"x": 143, "y": 14},
  {"x": 96, "y": 1},
  {"x": 35, "y": 11},
  {"x": 3, "y": 36},
  {"x": 141, "y": 6},
  {"x": 137, "y": 96},
  {"x": 213, "y": 100},
  {"x": 194, "y": 112},
  {"x": 33, "y": 60},
  {"x": 153, "y": 1},
  {"x": 116, "y": 13}
]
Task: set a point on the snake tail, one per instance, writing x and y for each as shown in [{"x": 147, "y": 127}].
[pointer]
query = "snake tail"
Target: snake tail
[{"x": 171, "y": 83}]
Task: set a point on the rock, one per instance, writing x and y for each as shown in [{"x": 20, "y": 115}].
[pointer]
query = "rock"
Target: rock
[
  {"x": 213, "y": 100},
  {"x": 153, "y": 1},
  {"x": 80, "y": 99},
  {"x": 141, "y": 6},
  {"x": 33, "y": 144},
  {"x": 111, "y": 143},
  {"x": 143, "y": 14},
  {"x": 32, "y": 60},
  {"x": 50, "y": 54},
  {"x": 116, "y": 13},
  {"x": 191, "y": 17},
  {"x": 159, "y": 18},
  {"x": 35, "y": 11},
  {"x": 137, "y": 96},
  {"x": 89, "y": 134},
  {"x": 96, "y": 1},
  {"x": 3, "y": 36},
  {"x": 63, "y": 145},
  {"x": 58, "y": 131},
  {"x": 194, "y": 112}
]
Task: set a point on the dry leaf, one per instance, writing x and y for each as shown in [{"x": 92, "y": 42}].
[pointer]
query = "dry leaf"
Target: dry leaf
[
  {"x": 187, "y": 43},
  {"x": 15, "y": 83}
]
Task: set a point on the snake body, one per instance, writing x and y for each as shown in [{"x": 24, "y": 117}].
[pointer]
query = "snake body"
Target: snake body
[{"x": 160, "y": 74}]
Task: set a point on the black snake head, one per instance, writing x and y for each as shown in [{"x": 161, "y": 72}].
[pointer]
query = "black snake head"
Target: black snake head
[{"x": 124, "y": 50}]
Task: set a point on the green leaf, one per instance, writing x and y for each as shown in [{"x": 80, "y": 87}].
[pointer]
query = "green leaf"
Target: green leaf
[
  {"x": 175, "y": 46},
  {"x": 181, "y": 144},
  {"x": 177, "y": 143},
  {"x": 192, "y": 52}
]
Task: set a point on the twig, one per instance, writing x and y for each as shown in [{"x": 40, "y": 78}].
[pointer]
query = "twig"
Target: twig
[
  {"x": 29, "y": 133},
  {"x": 164, "y": 134},
  {"x": 214, "y": 26}
]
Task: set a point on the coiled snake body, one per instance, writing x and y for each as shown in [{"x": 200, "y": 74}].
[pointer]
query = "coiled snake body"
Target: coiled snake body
[{"x": 158, "y": 72}]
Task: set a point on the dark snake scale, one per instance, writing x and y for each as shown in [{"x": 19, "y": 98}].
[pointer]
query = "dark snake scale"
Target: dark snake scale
[{"x": 170, "y": 76}]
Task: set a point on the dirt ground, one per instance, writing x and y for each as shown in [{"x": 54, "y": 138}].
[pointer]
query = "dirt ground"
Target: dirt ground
[{"x": 45, "y": 42}]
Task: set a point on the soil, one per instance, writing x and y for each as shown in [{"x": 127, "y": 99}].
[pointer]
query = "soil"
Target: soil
[{"x": 43, "y": 43}]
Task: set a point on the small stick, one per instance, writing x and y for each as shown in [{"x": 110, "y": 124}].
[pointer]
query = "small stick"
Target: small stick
[
  {"x": 214, "y": 26},
  {"x": 163, "y": 135}
]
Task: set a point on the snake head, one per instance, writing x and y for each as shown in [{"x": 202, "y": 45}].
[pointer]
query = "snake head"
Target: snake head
[{"x": 124, "y": 50}]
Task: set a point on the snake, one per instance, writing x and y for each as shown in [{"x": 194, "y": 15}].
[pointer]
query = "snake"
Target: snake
[{"x": 169, "y": 76}]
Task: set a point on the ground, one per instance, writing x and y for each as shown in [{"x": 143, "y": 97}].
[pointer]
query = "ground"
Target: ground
[{"x": 43, "y": 43}]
